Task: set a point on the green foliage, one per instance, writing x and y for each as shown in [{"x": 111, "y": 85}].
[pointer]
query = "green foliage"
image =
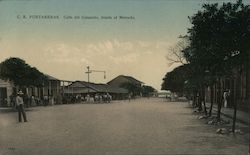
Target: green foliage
[
  {"x": 176, "y": 79},
  {"x": 146, "y": 90},
  {"x": 132, "y": 88},
  {"x": 22, "y": 74},
  {"x": 219, "y": 37},
  {"x": 219, "y": 40}
]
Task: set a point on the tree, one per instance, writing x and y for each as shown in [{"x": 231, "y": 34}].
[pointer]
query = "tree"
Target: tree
[
  {"x": 219, "y": 42},
  {"x": 175, "y": 54},
  {"x": 132, "y": 88},
  {"x": 147, "y": 90},
  {"x": 175, "y": 80},
  {"x": 19, "y": 72}
]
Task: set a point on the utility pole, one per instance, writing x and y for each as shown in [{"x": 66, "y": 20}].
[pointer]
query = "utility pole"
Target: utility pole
[{"x": 90, "y": 71}]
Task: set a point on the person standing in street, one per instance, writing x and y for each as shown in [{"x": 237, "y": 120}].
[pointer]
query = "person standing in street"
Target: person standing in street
[
  {"x": 20, "y": 107},
  {"x": 225, "y": 95},
  {"x": 129, "y": 97}
]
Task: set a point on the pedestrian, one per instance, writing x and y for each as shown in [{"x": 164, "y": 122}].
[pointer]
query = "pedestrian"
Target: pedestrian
[
  {"x": 225, "y": 97},
  {"x": 82, "y": 98},
  {"x": 96, "y": 98},
  {"x": 46, "y": 100},
  {"x": 20, "y": 107},
  {"x": 33, "y": 101},
  {"x": 105, "y": 98},
  {"x": 87, "y": 98},
  {"x": 129, "y": 97},
  {"x": 100, "y": 98},
  {"x": 13, "y": 101},
  {"x": 109, "y": 97}
]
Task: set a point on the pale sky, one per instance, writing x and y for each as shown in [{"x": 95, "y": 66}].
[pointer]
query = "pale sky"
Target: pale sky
[{"x": 63, "y": 48}]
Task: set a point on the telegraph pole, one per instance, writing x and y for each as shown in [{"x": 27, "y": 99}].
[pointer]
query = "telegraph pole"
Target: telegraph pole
[{"x": 90, "y": 71}]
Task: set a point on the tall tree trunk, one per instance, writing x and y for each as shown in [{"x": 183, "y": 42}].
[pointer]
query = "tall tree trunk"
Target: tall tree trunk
[
  {"x": 236, "y": 93},
  {"x": 235, "y": 105},
  {"x": 200, "y": 100},
  {"x": 211, "y": 100},
  {"x": 219, "y": 100},
  {"x": 194, "y": 99},
  {"x": 204, "y": 99},
  {"x": 248, "y": 80}
]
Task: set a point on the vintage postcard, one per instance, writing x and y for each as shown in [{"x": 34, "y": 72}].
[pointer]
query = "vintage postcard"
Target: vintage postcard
[{"x": 124, "y": 77}]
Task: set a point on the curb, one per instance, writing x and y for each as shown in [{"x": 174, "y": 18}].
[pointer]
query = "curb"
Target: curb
[{"x": 231, "y": 117}]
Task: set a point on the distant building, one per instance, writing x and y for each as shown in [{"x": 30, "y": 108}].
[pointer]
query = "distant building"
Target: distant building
[
  {"x": 238, "y": 87},
  {"x": 164, "y": 94},
  {"x": 6, "y": 89},
  {"x": 133, "y": 85},
  {"x": 83, "y": 88},
  {"x": 121, "y": 79},
  {"x": 51, "y": 89}
]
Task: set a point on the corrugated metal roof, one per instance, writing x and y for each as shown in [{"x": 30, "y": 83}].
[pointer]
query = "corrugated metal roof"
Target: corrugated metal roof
[
  {"x": 78, "y": 90},
  {"x": 84, "y": 87},
  {"x": 133, "y": 79},
  {"x": 51, "y": 77},
  {"x": 130, "y": 78}
]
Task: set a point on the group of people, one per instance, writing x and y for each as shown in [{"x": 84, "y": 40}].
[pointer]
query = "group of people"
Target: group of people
[
  {"x": 20, "y": 101},
  {"x": 90, "y": 98},
  {"x": 103, "y": 98},
  {"x": 31, "y": 101},
  {"x": 99, "y": 98}
]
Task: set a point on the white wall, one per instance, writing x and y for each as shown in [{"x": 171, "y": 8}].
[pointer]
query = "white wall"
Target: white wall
[{"x": 9, "y": 86}]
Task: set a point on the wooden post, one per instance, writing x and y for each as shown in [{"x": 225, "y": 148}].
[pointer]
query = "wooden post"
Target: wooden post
[
  {"x": 248, "y": 82},
  {"x": 235, "y": 106},
  {"x": 63, "y": 88},
  {"x": 219, "y": 97},
  {"x": 211, "y": 100},
  {"x": 204, "y": 99}
]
